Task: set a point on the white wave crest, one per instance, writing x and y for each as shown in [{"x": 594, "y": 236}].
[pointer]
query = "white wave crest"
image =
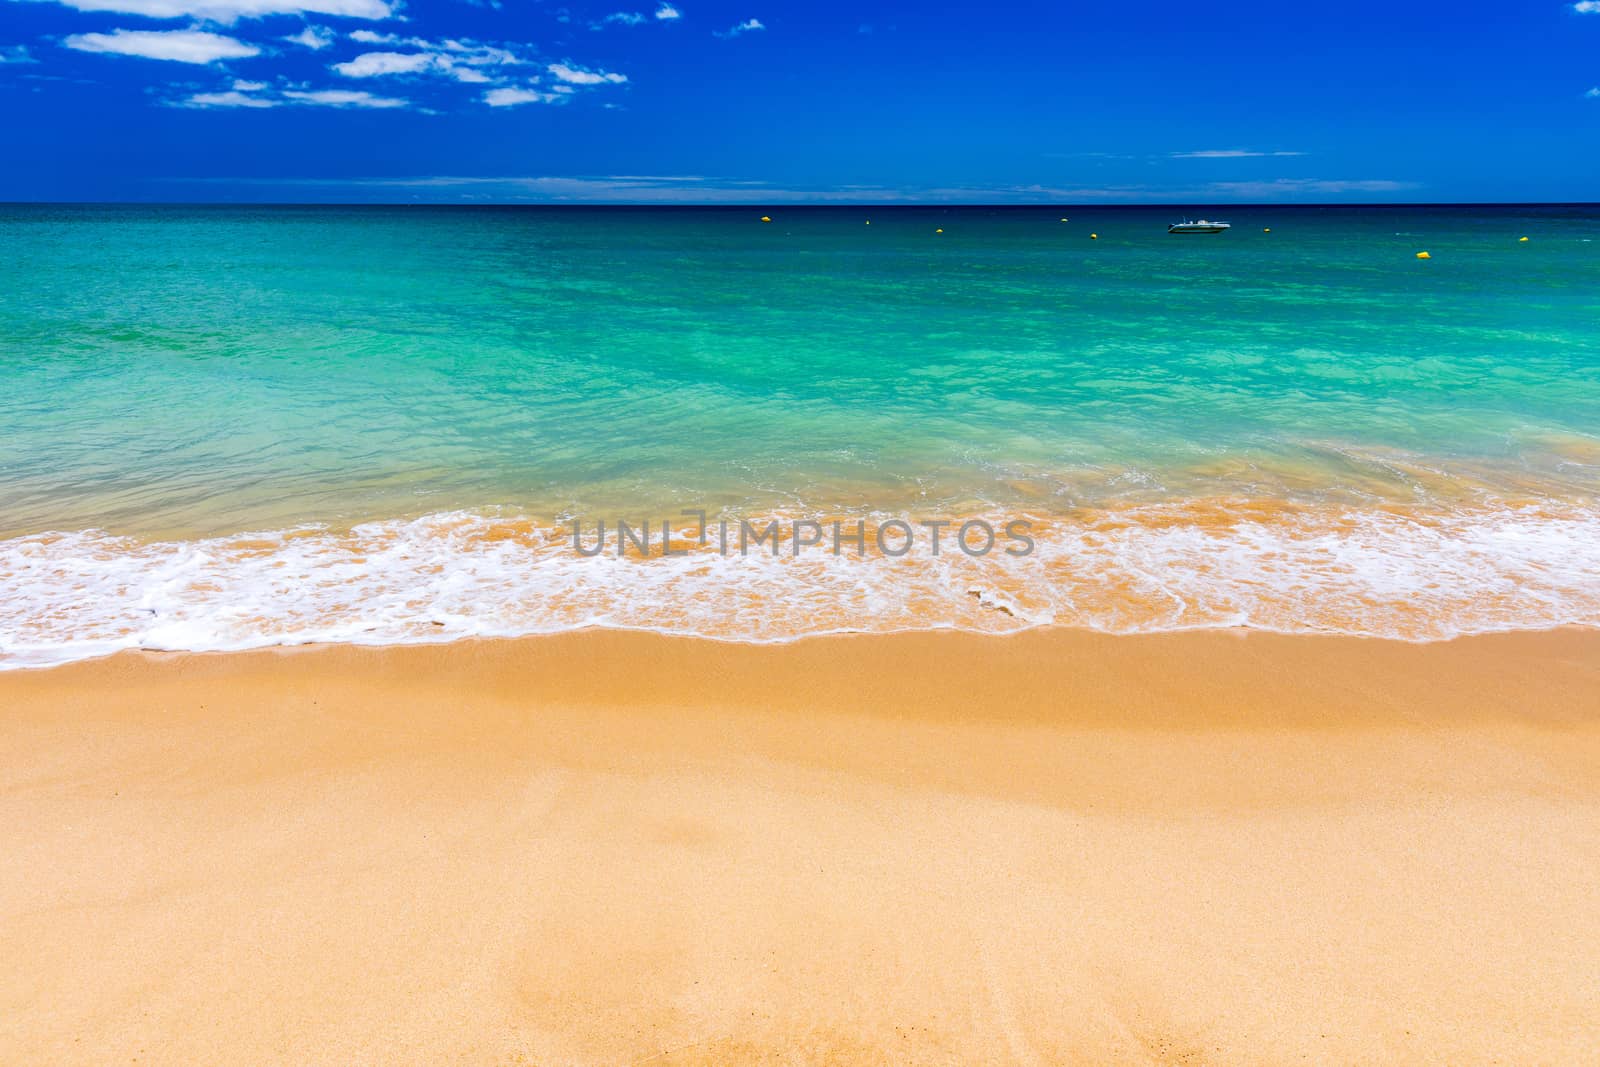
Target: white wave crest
[{"x": 446, "y": 576}]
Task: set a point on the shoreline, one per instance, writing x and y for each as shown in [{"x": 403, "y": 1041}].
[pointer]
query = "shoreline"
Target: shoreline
[
  {"x": 1187, "y": 566},
  {"x": 606, "y": 846},
  {"x": 157, "y": 657}
]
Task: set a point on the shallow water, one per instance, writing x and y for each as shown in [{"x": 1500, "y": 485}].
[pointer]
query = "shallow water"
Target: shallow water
[{"x": 225, "y": 427}]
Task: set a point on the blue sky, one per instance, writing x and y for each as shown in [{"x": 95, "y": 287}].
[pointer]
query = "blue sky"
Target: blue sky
[{"x": 774, "y": 101}]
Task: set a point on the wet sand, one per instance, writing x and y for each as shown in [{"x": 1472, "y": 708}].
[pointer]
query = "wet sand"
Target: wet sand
[{"x": 605, "y": 848}]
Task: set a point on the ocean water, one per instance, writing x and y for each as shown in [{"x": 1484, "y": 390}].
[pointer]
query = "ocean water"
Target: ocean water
[{"x": 226, "y": 427}]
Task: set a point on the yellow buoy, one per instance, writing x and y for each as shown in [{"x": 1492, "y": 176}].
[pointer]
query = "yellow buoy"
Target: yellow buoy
[
  {"x": 869, "y": 222},
  {"x": 1267, "y": 230},
  {"x": 1423, "y": 255},
  {"x": 938, "y": 231},
  {"x": 1094, "y": 237},
  {"x": 1066, "y": 220},
  {"x": 1521, "y": 239},
  {"x": 766, "y": 218}
]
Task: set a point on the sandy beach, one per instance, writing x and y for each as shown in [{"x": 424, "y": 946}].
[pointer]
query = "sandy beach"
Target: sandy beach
[{"x": 605, "y": 848}]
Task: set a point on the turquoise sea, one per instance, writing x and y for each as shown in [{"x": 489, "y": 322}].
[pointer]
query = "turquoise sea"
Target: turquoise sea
[{"x": 224, "y": 427}]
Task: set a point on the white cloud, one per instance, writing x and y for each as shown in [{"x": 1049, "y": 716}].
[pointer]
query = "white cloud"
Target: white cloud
[
  {"x": 260, "y": 95},
  {"x": 343, "y": 98},
  {"x": 715, "y": 190},
  {"x": 315, "y": 38},
  {"x": 15, "y": 53},
  {"x": 511, "y": 96},
  {"x": 228, "y": 99},
  {"x": 1593, "y": 94},
  {"x": 180, "y": 46},
  {"x": 664, "y": 13},
  {"x": 1229, "y": 153},
  {"x": 678, "y": 189},
  {"x": 1281, "y": 187},
  {"x": 1587, "y": 7},
  {"x": 747, "y": 26},
  {"x": 461, "y": 60},
  {"x": 469, "y": 51},
  {"x": 377, "y": 64},
  {"x": 612, "y": 189},
  {"x": 461, "y": 50},
  {"x": 228, "y": 11},
  {"x": 579, "y": 76}
]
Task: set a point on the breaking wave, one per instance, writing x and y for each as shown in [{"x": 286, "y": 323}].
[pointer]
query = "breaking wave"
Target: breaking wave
[{"x": 1385, "y": 572}]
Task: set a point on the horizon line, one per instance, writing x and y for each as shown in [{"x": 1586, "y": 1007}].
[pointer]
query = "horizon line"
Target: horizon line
[{"x": 833, "y": 205}]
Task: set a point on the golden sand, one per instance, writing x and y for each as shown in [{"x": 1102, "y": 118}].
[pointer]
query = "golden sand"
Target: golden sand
[{"x": 608, "y": 848}]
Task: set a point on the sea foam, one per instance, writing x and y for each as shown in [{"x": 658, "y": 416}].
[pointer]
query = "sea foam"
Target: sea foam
[{"x": 1392, "y": 573}]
